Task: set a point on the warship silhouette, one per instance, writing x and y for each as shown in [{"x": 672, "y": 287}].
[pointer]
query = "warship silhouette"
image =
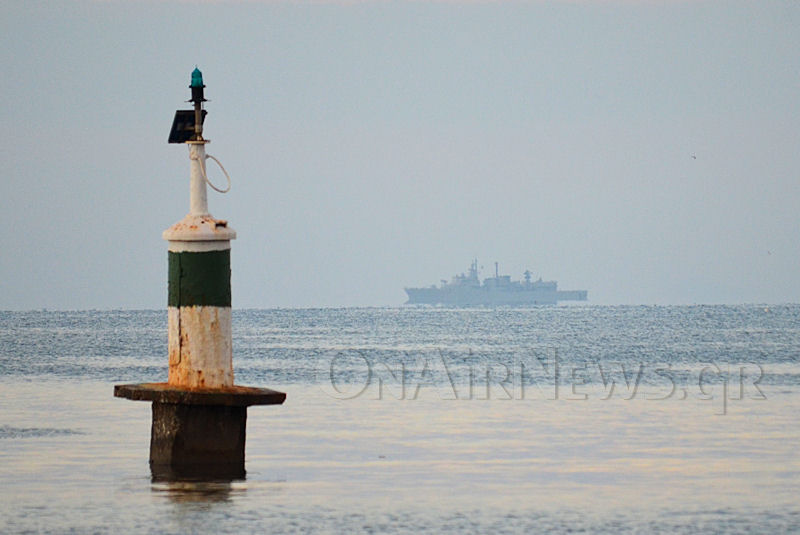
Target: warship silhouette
[{"x": 467, "y": 290}]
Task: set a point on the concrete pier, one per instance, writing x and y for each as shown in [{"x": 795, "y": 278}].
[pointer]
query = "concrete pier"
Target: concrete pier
[{"x": 198, "y": 433}]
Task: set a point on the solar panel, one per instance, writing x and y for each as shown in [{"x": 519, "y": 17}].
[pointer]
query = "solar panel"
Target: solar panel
[{"x": 183, "y": 126}]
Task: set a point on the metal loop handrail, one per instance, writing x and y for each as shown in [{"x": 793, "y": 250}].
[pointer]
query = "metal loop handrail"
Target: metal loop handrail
[{"x": 205, "y": 176}]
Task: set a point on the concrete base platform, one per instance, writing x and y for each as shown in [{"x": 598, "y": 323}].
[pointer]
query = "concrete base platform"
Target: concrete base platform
[
  {"x": 198, "y": 433},
  {"x": 242, "y": 396}
]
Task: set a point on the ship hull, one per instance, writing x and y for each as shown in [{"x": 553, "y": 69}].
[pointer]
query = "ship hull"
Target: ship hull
[{"x": 483, "y": 296}]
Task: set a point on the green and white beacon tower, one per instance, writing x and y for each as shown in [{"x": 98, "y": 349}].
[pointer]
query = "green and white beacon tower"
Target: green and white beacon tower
[
  {"x": 199, "y": 294},
  {"x": 199, "y": 414}
]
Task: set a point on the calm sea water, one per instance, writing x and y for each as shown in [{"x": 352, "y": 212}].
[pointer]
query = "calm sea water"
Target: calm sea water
[{"x": 576, "y": 418}]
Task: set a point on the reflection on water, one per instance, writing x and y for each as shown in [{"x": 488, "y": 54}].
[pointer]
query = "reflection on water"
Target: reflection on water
[
  {"x": 197, "y": 472},
  {"x": 195, "y": 491},
  {"x": 196, "y": 484}
]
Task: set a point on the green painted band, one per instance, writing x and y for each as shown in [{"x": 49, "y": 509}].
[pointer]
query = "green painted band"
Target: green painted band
[{"x": 199, "y": 279}]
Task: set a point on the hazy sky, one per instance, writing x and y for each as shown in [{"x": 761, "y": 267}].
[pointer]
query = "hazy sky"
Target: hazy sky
[{"x": 648, "y": 152}]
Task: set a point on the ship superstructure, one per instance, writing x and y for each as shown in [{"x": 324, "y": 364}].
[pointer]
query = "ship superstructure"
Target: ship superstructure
[{"x": 467, "y": 290}]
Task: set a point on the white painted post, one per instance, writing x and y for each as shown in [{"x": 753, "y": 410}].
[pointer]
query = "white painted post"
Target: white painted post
[{"x": 198, "y": 199}]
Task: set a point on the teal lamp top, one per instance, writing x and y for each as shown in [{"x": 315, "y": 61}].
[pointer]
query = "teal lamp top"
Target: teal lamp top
[{"x": 197, "y": 78}]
